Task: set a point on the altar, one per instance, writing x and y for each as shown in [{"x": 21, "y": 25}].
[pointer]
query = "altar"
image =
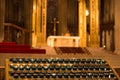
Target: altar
[{"x": 63, "y": 41}]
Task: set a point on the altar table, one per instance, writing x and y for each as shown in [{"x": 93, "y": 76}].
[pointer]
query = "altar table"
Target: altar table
[{"x": 63, "y": 41}]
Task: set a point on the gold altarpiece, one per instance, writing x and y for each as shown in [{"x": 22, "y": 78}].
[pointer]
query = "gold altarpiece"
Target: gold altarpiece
[{"x": 39, "y": 23}]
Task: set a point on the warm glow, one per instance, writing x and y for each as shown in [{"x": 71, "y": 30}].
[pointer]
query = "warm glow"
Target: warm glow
[
  {"x": 87, "y": 12},
  {"x": 104, "y": 46},
  {"x": 34, "y": 7}
]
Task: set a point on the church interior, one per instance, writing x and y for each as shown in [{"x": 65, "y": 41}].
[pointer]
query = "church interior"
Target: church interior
[{"x": 59, "y": 39}]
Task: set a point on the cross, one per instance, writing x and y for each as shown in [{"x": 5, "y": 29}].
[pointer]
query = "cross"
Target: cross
[{"x": 55, "y": 22}]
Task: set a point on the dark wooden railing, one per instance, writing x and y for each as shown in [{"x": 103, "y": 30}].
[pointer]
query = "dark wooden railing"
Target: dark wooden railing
[{"x": 15, "y": 33}]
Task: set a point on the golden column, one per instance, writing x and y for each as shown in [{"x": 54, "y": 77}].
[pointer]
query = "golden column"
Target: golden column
[
  {"x": 82, "y": 22},
  {"x": 36, "y": 21},
  {"x": 2, "y": 14},
  {"x": 34, "y": 37},
  {"x": 39, "y": 23},
  {"x": 94, "y": 23}
]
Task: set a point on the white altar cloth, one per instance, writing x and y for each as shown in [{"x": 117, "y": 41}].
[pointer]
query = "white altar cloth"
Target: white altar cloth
[{"x": 63, "y": 41}]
